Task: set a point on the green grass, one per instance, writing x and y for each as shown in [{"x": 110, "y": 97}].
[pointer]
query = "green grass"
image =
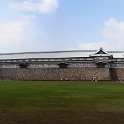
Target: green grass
[{"x": 61, "y": 102}]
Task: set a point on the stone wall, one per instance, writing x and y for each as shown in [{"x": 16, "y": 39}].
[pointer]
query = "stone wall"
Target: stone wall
[
  {"x": 119, "y": 74},
  {"x": 86, "y": 73}
]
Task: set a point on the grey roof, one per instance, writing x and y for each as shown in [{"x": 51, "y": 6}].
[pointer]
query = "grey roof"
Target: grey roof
[
  {"x": 57, "y": 54},
  {"x": 101, "y": 52}
]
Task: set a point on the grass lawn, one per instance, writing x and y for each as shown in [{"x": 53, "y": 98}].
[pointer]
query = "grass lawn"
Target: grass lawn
[{"x": 35, "y": 102}]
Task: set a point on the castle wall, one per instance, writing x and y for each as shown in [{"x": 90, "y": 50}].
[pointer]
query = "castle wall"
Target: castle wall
[
  {"x": 75, "y": 73},
  {"x": 119, "y": 73},
  {"x": 62, "y": 66}
]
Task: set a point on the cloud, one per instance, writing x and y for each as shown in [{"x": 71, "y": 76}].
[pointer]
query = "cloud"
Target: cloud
[
  {"x": 112, "y": 37},
  {"x": 40, "y": 6},
  {"x": 89, "y": 46},
  {"x": 15, "y": 36},
  {"x": 12, "y": 31},
  {"x": 92, "y": 45},
  {"x": 21, "y": 35},
  {"x": 113, "y": 33}
]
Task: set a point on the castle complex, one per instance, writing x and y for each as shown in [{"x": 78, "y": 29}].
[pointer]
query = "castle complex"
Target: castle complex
[{"x": 83, "y": 65}]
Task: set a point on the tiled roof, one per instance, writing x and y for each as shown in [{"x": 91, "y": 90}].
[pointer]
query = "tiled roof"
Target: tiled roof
[{"x": 57, "y": 54}]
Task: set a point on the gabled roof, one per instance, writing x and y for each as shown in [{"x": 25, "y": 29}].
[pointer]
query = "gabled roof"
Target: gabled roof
[{"x": 101, "y": 52}]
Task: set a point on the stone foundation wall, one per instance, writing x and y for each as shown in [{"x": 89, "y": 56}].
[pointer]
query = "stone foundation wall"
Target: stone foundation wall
[
  {"x": 55, "y": 74},
  {"x": 119, "y": 74}
]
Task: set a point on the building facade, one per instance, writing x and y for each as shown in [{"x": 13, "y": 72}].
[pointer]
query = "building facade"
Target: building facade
[{"x": 83, "y": 65}]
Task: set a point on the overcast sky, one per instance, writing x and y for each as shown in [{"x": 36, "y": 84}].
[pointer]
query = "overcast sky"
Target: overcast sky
[{"x": 45, "y": 25}]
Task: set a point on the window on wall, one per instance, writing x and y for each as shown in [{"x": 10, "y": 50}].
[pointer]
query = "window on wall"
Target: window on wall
[
  {"x": 63, "y": 65},
  {"x": 101, "y": 58},
  {"x": 101, "y": 65},
  {"x": 23, "y": 65}
]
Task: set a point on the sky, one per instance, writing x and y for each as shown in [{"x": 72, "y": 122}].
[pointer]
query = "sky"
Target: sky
[{"x": 52, "y": 25}]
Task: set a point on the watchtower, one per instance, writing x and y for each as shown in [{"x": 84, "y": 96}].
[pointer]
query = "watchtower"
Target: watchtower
[{"x": 101, "y": 58}]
